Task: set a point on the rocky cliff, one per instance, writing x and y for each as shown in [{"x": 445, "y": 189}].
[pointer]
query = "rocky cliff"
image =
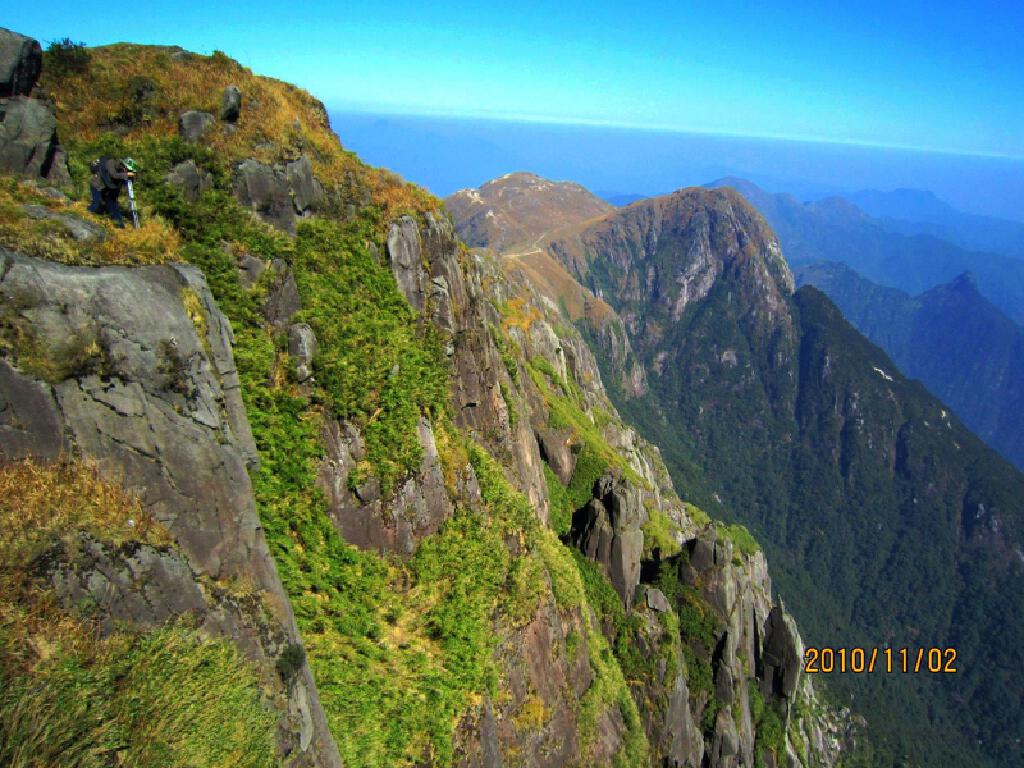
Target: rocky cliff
[
  {"x": 388, "y": 472},
  {"x": 886, "y": 520}
]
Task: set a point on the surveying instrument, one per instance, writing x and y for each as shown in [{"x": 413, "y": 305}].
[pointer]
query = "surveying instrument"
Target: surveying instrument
[{"x": 131, "y": 202}]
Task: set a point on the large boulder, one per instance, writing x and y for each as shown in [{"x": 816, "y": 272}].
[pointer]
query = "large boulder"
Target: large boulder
[
  {"x": 28, "y": 140},
  {"x": 110, "y": 364},
  {"x": 607, "y": 530},
  {"x": 278, "y": 193},
  {"x": 307, "y": 193},
  {"x": 190, "y": 179},
  {"x": 21, "y": 61},
  {"x": 258, "y": 187},
  {"x": 231, "y": 104},
  {"x": 193, "y": 125}
]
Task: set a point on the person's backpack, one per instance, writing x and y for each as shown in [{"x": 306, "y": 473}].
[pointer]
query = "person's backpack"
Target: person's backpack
[{"x": 104, "y": 173}]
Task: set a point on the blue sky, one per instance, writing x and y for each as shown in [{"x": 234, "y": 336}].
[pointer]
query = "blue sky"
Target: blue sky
[{"x": 926, "y": 75}]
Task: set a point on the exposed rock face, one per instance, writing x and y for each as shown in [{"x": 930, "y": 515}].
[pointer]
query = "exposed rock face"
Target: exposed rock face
[
  {"x": 191, "y": 180},
  {"x": 231, "y": 104},
  {"x": 21, "y": 61},
  {"x": 302, "y": 347},
  {"x": 542, "y": 672},
  {"x": 193, "y": 125},
  {"x": 439, "y": 283},
  {"x": 782, "y": 654},
  {"x": 659, "y": 256},
  {"x": 108, "y": 362},
  {"x": 78, "y": 228},
  {"x": 364, "y": 517},
  {"x": 28, "y": 140},
  {"x": 749, "y": 641},
  {"x": 607, "y": 530},
  {"x": 278, "y": 193},
  {"x": 283, "y": 299}
]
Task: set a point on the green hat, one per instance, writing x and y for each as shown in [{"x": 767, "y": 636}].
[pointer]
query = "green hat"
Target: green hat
[{"x": 129, "y": 164}]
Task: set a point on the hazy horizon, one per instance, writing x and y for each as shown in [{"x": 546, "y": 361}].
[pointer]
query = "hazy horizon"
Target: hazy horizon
[
  {"x": 448, "y": 153},
  {"x": 936, "y": 76}
]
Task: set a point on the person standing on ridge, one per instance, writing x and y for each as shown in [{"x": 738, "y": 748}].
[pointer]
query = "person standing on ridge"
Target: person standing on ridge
[{"x": 108, "y": 176}]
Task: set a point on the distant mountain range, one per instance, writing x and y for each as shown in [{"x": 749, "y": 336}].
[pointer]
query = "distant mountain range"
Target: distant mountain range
[
  {"x": 951, "y": 338},
  {"x": 837, "y": 230},
  {"x": 919, "y": 212}
]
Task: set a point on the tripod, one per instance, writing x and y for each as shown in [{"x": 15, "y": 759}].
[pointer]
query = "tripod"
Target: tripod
[{"x": 131, "y": 202}]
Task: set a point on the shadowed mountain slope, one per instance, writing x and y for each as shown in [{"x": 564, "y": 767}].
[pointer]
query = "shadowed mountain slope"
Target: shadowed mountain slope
[{"x": 951, "y": 338}]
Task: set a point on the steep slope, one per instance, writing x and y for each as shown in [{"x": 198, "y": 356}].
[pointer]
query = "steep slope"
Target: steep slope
[
  {"x": 890, "y": 523},
  {"x": 951, "y": 338},
  {"x": 517, "y": 209},
  {"x": 834, "y": 229},
  {"x": 424, "y": 438}
]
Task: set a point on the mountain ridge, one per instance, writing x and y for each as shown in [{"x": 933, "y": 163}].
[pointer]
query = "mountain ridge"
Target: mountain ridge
[
  {"x": 484, "y": 563},
  {"x": 951, "y": 338},
  {"x": 835, "y": 229},
  {"x": 768, "y": 400}
]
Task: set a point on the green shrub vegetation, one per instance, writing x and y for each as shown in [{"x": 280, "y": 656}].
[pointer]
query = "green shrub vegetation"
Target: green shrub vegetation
[
  {"x": 375, "y": 365},
  {"x": 770, "y": 733},
  {"x": 660, "y": 533},
  {"x": 400, "y": 648},
  {"x": 164, "y": 698},
  {"x": 740, "y": 537},
  {"x": 561, "y": 504},
  {"x": 698, "y": 627},
  {"x": 566, "y": 409}
]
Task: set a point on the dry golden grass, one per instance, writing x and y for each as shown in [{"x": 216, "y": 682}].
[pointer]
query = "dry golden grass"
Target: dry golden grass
[
  {"x": 40, "y": 503},
  {"x": 518, "y": 313},
  {"x": 140, "y": 91},
  {"x": 155, "y": 242},
  {"x": 553, "y": 281}
]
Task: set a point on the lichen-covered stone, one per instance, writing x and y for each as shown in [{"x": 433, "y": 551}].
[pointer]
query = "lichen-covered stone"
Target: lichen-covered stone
[
  {"x": 193, "y": 125},
  {"x": 123, "y": 373},
  {"x": 190, "y": 179},
  {"x": 21, "y": 61}
]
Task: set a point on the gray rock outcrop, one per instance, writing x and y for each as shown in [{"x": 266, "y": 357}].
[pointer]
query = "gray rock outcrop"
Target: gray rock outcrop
[
  {"x": 190, "y": 179},
  {"x": 193, "y": 125},
  {"x": 78, "y": 228},
  {"x": 21, "y": 61},
  {"x": 444, "y": 287},
  {"x": 416, "y": 508},
  {"x": 278, "y": 194},
  {"x": 28, "y": 140},
  {"x": 107, "y": 362},
  {"x": 302, "y": 348},
  {"x": 231, "y": 104},
  {"x": 608, "y": 531}
]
